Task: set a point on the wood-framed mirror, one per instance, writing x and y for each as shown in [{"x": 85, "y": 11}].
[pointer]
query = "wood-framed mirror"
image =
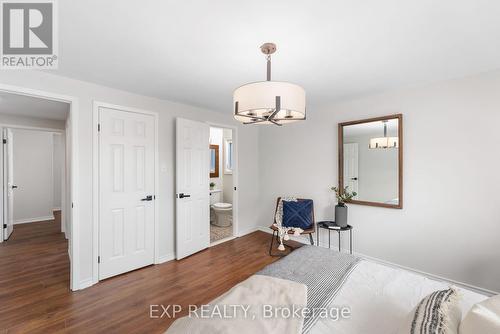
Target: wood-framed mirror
[
  {"x": 214, "y": 161},
  {"x": 371, "y": 160}
]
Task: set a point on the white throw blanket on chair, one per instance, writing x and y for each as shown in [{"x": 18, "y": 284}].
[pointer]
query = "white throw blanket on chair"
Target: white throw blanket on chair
[{"x": 283, "y": 230}]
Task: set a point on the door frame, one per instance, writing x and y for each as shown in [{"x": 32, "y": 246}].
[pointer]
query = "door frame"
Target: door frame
[
  {"x": 5, "y": 183},
  {"x": 235, "y": 178},
  {"x": 74, "y": 241},
  {"x": 95, "y": 181}
]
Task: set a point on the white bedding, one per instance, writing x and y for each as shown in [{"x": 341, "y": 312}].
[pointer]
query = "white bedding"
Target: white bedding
[
  {"x": 380, "y": 297},
  {"x": 254, "y": 292}
]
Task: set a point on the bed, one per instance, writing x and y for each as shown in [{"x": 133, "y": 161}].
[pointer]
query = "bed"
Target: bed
[
  {"x": 379, "y": 297},
  {"x": 382, "y": 295}
]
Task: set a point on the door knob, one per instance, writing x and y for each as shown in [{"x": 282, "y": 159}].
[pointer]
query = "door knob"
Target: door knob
[
  {"x": 182, "y": 195},
  {"x": 354, "y": 178},
  {"x": 14, "y": 187},
  {"x": 147, "y": 198}
]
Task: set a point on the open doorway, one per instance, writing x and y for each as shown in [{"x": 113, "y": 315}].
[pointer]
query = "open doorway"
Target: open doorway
[
  {"x": 34, "y": 178},
  {"x": 36, "y": 187},
  {"x": 222, "y": 185},
  {"x": 197, "y": 165}
]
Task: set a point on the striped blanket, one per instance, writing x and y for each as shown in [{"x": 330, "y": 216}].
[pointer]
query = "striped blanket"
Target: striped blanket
[{"x": 322, "y": 270}]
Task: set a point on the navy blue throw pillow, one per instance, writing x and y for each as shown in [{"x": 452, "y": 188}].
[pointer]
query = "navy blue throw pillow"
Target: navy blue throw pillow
[{"x": 298, "y": 214}]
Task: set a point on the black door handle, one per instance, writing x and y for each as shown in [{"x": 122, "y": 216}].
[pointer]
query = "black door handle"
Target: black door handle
[
  {"x": 354, "y": 178},
  {"x": 147, "y": 198},
  {"x": 182, "y": 195},
  {"x": 14, "y": 187}
]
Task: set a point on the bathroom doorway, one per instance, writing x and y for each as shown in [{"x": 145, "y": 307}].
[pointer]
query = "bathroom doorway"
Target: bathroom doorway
[{"x": 222, "y": 184}]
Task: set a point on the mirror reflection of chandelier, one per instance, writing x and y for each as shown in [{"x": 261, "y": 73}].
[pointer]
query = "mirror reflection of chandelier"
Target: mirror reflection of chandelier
[
  {"x": 385, "y": 141},
  {"x": 269, "y": 102}
]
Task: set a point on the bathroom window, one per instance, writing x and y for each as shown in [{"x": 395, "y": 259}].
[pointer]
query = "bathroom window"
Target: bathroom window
[{"x": 228, "y": 157}]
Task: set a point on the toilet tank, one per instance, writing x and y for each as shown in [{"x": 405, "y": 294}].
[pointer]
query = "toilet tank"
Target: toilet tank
[{"x": 215, "y": 196}]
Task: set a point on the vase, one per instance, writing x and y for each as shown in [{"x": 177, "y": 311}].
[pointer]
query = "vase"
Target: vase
[{"x": 341, "y": 215}]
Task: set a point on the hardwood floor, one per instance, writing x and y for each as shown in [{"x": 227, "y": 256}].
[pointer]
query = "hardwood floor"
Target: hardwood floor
[{"x": 35, "y": 296}]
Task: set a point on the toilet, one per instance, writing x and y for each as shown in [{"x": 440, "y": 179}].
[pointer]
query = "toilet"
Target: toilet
[{"x": 223, "y": 214}]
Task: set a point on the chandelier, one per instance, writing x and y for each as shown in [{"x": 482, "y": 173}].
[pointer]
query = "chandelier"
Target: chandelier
[
  {"x": 269, "y": 102},
  {"x": 384, "y": 142}
]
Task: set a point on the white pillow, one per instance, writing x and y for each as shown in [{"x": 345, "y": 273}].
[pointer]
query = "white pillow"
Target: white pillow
[
  {"x": 438, "y": 313},
  {"x": 483, "y": 318}
]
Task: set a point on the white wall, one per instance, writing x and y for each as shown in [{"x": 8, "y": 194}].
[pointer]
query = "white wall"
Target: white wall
[
  {"x": 450, "y": 223},
  {"x": 86, "y": 93},
  {"x": 33, "y": 174}
]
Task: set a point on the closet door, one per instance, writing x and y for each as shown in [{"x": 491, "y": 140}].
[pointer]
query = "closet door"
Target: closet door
[{"x": 126, "y": 191}]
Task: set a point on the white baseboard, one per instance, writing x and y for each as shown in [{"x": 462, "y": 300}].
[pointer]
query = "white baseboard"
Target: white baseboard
[
  {"x": 165, "y": 258},
  {"x": 467, "y": 286},
  {"x": 85, "y": 283},
  {"x": 33, "y": 220},
  {"x": 248, "y": 231}
]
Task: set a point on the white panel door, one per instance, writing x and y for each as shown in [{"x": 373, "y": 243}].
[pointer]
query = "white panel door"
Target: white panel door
[
  {"x": 126, "y": 191},
  {"x": 351, "y": 166},
  {"x": 192, "y": 179},
  {"x": 9, "y": 181}
]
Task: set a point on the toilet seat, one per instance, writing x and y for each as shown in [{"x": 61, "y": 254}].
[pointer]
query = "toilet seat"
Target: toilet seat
[
  {"x": 222, "y": 206},
  {"x": 223, "y": 213}
]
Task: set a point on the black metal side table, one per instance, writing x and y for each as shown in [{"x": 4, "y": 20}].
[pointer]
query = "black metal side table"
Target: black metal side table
[{"x": 332, "y": 226}]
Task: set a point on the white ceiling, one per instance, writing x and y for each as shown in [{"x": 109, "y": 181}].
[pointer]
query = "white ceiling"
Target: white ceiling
[
  {"x": 197, "y": 52},
  {"x": 21, "y": 105}
]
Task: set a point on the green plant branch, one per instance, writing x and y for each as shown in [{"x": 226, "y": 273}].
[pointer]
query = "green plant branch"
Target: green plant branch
[{"x": 344, "y": 195}]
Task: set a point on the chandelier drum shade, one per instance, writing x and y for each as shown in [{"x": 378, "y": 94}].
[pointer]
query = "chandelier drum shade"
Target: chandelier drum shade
[
  {"x": 385, "y": 141},
  {"x": 269, "y": 102}
]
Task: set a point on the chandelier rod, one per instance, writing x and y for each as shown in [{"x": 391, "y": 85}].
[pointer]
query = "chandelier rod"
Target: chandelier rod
[
  {"x": 268, "y": 67},
  {"x": 268, "y": 49}
]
